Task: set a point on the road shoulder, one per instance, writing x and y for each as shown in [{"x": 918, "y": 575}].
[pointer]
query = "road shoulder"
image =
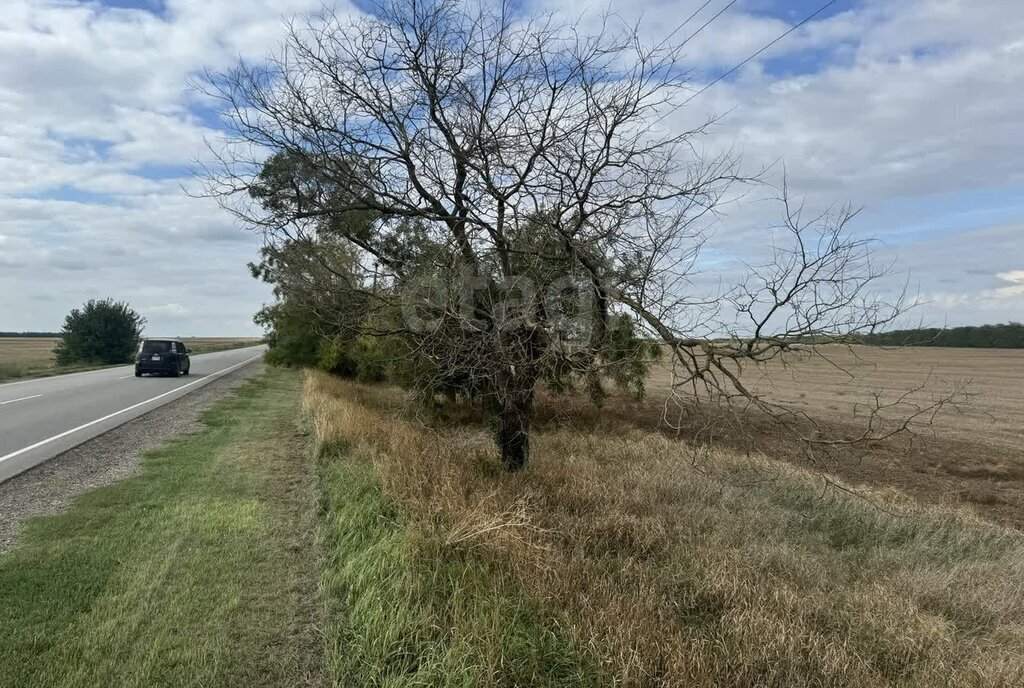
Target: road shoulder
[{"x": 49, "y": 488}]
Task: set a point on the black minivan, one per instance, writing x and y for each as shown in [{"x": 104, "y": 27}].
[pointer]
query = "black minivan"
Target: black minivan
[{"x": 163, "y": 357}]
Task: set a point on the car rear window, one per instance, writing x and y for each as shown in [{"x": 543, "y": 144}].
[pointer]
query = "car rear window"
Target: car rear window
[{"x": 155, "y": 346}]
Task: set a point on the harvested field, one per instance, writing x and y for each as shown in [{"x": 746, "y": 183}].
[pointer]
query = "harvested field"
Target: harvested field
[
  {"x": 831, "y": 389},
  {"x": 27, "y": 350},
  {"x": 204, "y": 345},
  {"x": 972, "y": 453}
]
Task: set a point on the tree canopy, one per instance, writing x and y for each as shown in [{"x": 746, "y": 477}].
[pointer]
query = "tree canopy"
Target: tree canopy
[
  {"x": 516, "y": 210},
  {"x": 104, "y": 331}
]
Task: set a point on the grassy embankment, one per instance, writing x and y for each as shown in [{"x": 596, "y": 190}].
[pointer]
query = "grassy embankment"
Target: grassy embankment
[
  {"x": 198, "y": 571},
  {"x": 613, "y": 561},
  {"x": 24, "y": 357}
]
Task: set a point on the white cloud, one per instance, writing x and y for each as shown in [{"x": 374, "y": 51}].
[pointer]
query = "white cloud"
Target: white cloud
[
  {"x": 93, "y": 101},
  {"x": 173, "y": 311},
  {"x": 889, "y": 124},
  {"x": 900, "y": 106},
  {"x": 992, "y": 302},
  {"x": 1014, "y": 292}
]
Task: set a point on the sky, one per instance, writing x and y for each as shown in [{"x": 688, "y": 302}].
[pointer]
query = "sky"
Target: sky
[{"x": 913, "y": 110}]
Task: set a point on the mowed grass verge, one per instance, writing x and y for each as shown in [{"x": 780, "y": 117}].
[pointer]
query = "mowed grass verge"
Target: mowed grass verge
[
  {"x": 615, "y": 561},
  {"x": 200, "y": 571}
]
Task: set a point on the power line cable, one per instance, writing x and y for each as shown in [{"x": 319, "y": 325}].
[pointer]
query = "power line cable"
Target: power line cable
[
  {"x": 779, "y": 38},
  {"x": 705, "y": 24},
  {"x": 694, "y": 14}
]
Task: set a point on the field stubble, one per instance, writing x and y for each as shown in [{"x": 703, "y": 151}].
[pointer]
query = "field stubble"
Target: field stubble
[{"x": 969, "y": 453}]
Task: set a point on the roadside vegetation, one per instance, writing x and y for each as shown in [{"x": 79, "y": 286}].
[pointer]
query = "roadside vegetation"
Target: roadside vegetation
[
  {"x": 99, "y": 333},
  {"x": 14, "y": 366},
  {"x": 615, "y": 561},
  {"x": 359, "y": 539},
  {"x": 26, "y": 353},
  {"x": 198, "y": 571}
]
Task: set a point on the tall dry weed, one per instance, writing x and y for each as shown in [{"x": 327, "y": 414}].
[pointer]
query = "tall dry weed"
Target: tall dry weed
[{"x": 734, "y": 571}]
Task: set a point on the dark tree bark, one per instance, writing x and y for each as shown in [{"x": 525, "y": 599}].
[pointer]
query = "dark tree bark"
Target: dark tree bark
[{"x": 513, "y": 432}]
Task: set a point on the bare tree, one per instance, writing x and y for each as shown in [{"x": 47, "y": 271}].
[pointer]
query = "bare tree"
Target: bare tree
[{"x": 531, "y": 218}]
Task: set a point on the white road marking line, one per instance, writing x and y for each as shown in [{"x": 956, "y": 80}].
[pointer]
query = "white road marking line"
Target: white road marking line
[
  {"x": 126, "y": 377},
  {"x": 124, "y": 410},
  {"x": 11, "y": 401},
  {"x": 58, "y": 376}
]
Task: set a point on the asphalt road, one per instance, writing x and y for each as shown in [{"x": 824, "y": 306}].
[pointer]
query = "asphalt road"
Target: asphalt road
[{"x": 39, "y": 419}]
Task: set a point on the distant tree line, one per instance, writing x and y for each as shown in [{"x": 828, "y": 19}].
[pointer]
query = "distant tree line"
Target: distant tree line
[
  {"x": 999, "y": 336},
  {"x": 40, "y": 335}
]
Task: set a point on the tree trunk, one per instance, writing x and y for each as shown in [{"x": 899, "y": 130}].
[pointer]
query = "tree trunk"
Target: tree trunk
[
  {"x": 513, "y": 434},
  {"x": 513, "y": 394}
]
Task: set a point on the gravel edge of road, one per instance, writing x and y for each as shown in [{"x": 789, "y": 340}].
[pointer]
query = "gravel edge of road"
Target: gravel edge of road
[{"x": 48, "y": 489}]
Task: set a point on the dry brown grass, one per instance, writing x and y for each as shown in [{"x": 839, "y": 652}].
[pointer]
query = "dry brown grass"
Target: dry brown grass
[{"x": 735, "y": 571}]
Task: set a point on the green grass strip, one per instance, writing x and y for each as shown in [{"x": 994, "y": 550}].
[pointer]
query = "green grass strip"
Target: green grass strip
[
  {"x": 200, "y": 571},
  {"x": 408, "y": 610}
]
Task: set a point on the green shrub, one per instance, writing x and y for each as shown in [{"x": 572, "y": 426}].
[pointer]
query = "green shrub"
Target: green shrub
[{"x": 104, "y": 331}]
